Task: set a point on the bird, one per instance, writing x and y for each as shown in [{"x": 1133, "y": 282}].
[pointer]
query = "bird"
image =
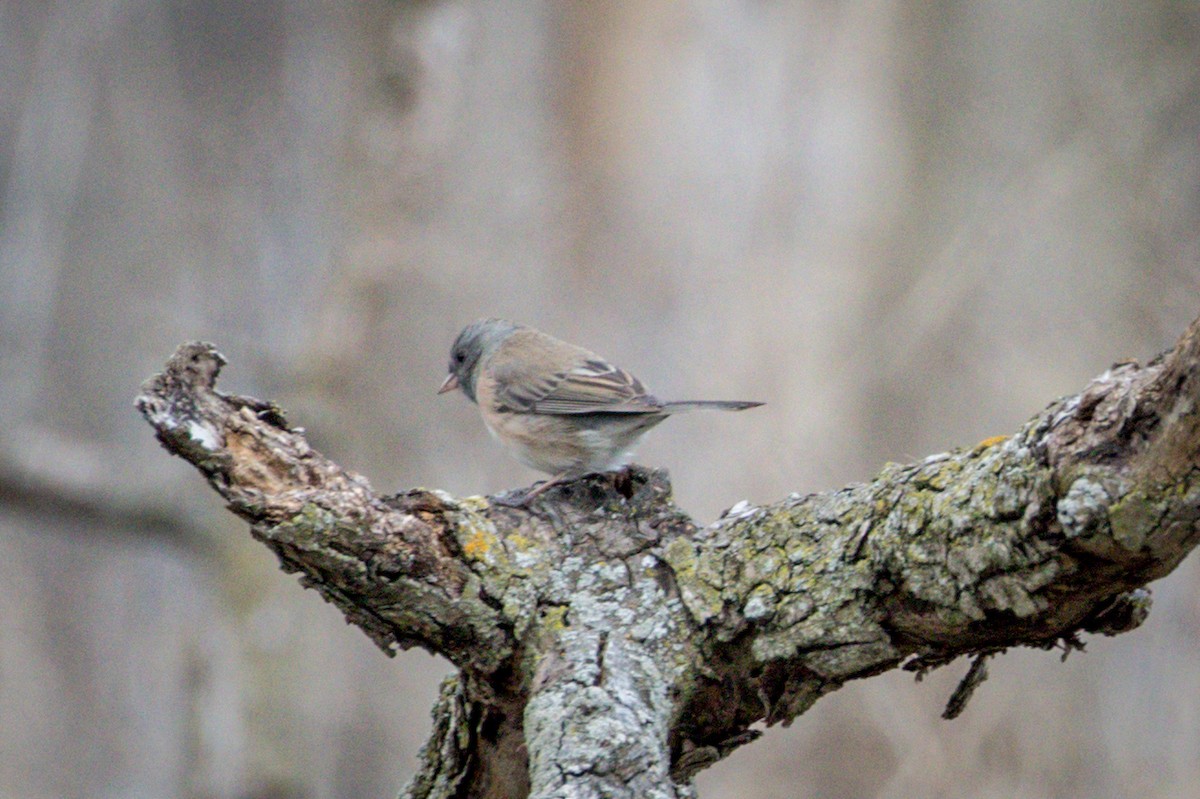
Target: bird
[{"x": 556, "y": 407}]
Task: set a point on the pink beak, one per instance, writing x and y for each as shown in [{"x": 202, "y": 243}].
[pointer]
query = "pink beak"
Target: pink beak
[{"x": 450, "y": 383}]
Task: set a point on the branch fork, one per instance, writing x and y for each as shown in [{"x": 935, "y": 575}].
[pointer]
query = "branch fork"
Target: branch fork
[{"x": 609, "y": 646}]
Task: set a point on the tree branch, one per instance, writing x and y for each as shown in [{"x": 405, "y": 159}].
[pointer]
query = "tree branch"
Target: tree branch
[{"x": 607, "y": 646}]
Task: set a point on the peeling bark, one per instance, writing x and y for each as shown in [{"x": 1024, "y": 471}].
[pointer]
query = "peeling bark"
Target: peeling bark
[{"x": 609, "y": 647}]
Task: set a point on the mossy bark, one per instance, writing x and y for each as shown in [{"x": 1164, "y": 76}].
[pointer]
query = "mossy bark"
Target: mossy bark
[{"x": 607, "y": 646}]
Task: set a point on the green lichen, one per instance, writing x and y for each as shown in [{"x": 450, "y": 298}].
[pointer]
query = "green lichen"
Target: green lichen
[
  {"x": 700, "y": 594},
  {"x": 308, "y": 529},
  {"x": 760, "y": 603},
  {"x": 553, "y": 619},
  {"x": 1133, "y": 517}
]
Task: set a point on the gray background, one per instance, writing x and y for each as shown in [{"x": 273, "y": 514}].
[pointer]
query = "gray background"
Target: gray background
[{"x": 906, "y": 226}]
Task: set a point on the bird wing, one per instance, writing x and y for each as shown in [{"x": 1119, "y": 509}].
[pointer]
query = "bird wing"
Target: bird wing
[
  {"x": 589, "y": 385},
  {"x": 596, "y": 385}
]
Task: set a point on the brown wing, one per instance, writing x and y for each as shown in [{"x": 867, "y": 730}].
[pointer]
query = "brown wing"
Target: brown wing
[
  {"x": 597, "y": 385},
  {"x": 590, "y": 385}
]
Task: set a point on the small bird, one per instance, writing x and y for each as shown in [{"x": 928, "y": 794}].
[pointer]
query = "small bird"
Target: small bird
[{"x": 556, "y": 407}]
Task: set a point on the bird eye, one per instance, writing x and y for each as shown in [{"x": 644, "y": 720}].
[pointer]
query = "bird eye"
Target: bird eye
[{"x": 459, "y": 357}]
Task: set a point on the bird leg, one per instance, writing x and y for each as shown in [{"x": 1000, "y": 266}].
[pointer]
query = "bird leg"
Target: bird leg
[
  {"x": 538, "y": 490},
  {"x": 622, "y": 483},
  {"x": 524, "y": 499}
]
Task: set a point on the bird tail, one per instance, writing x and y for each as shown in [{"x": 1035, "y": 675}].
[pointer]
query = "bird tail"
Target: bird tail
[{"x": 718, "y": 405}]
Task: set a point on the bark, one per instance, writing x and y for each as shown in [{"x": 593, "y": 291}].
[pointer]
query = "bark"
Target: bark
[{"x": 608, "y": 646}]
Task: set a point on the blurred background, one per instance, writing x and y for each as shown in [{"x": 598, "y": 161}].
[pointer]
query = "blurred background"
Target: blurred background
[{"x": 906, "y": 227}]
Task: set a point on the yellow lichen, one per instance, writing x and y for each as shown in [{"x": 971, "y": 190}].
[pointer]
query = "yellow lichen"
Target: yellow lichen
[
  {"x": 989, "y": 442},
  {"x": 477, "y": 544},
  {"x": 522, "y": 543},
  {"x": 554, "y": 619}
]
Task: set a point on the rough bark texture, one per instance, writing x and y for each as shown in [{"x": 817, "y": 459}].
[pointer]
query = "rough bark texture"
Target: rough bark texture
[{"x": 609, "y": 647}]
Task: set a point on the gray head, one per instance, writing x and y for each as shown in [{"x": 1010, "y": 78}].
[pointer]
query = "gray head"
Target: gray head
[{"x": 476, "y": 341}]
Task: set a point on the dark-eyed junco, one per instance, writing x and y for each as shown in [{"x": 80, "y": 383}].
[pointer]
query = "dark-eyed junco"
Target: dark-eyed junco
[{"x": 556, "y": 407}]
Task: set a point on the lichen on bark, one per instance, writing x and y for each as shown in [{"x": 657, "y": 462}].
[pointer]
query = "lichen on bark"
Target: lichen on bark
[{"x": 608, "y": 646}]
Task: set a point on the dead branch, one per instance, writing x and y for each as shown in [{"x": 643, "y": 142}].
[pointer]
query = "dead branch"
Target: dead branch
[{"x": 609, "y": 646}]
